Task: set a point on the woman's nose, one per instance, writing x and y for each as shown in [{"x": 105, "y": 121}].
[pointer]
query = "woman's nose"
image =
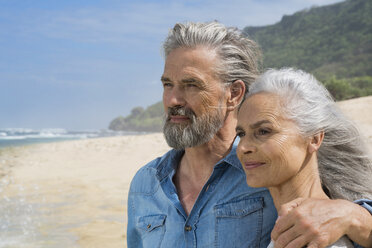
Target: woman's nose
[{"x": 246, "y": 147}]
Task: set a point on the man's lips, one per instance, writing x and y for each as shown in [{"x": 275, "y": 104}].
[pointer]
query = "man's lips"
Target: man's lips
[
  {"x": 179, "y": 118},
  {"x": 252, "y": 164}
]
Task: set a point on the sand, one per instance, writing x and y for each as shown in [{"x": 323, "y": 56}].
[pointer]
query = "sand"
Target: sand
[
  {"x": 360, "y": 111},
  {"x": 81, "y": 185},
  {"x": 74, "y": 193}
]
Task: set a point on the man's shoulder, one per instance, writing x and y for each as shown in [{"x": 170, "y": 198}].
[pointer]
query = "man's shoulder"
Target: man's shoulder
[
  {"x": 147, "y": 176},
  {"x": 158, "y": 163}
]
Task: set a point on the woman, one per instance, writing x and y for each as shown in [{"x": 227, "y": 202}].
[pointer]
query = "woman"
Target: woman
[{"x": 295, "y": 142}]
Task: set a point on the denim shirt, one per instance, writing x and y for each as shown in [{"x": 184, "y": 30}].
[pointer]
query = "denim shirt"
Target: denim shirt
[{"x": 227, "y": 212}]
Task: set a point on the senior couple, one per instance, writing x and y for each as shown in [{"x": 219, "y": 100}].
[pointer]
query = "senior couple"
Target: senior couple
[{"x": 289, "y": 180}]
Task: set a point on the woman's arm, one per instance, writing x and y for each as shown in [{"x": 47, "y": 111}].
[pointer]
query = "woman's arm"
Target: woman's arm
[{"x": 319, "y": 223}]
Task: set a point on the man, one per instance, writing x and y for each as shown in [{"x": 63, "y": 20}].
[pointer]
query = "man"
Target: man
[{"x": 196, "y": 195}]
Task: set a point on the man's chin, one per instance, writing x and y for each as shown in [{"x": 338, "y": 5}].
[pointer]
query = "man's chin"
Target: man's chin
[
  {"x": 179, "y": 141},
  {"x": 178, "y": 125}
]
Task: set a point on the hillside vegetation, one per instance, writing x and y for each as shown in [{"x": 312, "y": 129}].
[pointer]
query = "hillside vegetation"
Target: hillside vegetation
[
  {"x": 332, "y": 42},
  {"x": 329, "y": 40},
  {"x": 144, "y": 120}
]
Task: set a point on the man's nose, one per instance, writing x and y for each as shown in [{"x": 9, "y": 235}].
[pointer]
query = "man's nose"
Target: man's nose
[{"x": 176, "y": 97}]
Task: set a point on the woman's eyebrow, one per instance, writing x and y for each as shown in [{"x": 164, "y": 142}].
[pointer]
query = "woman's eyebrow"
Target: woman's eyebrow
[
  {"x": 238, "y": 128},
  {"x": 259, "y": 123}
]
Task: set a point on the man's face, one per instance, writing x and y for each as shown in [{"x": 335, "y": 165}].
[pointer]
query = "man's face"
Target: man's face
[{"x": 193, "y": 97}]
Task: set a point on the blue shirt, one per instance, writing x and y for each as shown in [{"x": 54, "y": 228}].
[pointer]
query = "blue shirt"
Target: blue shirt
[
  {"x": 366, "y": 203},
  {"x": 227, "y": 212}
]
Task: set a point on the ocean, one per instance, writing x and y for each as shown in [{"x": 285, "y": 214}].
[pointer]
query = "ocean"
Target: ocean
[
  {"x": 25, "y": 136},
  {"x": 24, "y": 223}
]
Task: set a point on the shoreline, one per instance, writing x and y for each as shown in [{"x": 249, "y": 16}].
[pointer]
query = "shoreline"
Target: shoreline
[
  {"x": 23, "y": 136},
  {"x": 72, "y": 193}
]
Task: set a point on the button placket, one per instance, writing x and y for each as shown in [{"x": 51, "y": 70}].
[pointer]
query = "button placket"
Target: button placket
[{"x": 188, "y": 228}]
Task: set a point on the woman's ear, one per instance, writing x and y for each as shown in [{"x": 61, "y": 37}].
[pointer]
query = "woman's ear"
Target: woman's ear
[
  {"x": 236, "y": 94},
  {"x": 315, "y": 142}
]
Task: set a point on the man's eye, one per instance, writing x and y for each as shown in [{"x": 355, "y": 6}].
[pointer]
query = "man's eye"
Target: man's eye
[
  {"x": 165, "y": 85},
  {"x": 191, "y": 85},
  {"x": 263, "y": 131}
]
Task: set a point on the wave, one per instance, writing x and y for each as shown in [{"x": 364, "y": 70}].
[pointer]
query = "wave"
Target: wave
[
  {"x": 12, "y": 137},
  {"x": 21, "y": 136},
  {"x": 26, "y": 133}
]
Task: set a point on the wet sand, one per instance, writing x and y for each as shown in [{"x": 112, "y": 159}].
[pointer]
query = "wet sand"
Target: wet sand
[{"x": 74, "y": 193}]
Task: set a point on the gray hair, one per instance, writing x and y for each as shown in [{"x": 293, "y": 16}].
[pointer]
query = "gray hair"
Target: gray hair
[
  {"x": 344, "y": 165},
  {"x": 240, "y": 57}
]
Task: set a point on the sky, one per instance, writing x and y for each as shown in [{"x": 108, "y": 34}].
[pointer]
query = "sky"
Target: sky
[{"x": 78, "y": 64}]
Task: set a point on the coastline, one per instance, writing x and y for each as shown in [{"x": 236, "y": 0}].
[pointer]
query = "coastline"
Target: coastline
[
  {"x": 74, "y": 193},
  {"x": 71, "y": 193}
]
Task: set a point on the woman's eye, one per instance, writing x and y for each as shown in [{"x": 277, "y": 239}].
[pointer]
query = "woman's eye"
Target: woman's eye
[{"x": 240, "y": 134}]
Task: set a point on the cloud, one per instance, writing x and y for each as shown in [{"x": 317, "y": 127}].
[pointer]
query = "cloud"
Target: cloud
[
  {"x": 134, "y": 22},
  {"x": 102, "y": 54}
]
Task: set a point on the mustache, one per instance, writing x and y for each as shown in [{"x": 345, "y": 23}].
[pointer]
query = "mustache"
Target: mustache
[{"x": 180, "y": 111}]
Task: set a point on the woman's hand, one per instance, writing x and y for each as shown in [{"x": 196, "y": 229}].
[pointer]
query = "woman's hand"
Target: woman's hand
[{"x": 318, "y": 223}]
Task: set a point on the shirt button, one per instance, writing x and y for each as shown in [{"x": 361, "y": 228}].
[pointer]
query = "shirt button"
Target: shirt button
[
  {"x": 148, "y": 226},
  {"x": 188, "y": 228}
]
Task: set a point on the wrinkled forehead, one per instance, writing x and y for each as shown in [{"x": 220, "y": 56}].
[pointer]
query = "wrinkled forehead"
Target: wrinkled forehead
[
  {"x": 201, "y": 58},
  {"x": 262, "y": 105},
  {"x": 263, "y": 101},
  {"x": 193, "y": 65}
]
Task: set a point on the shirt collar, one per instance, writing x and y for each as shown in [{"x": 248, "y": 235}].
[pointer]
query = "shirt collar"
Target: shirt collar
[
  {"x": 171, "y": 159},
  {"x": 232, "y": 159}
]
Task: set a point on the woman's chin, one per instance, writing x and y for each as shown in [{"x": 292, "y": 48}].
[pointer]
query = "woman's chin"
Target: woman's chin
[{"x": 256, "y": 184}]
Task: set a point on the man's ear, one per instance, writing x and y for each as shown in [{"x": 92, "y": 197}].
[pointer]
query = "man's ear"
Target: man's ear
[
  {"x": 236, "y": 94},
  {"x": 315, "y": 142}
]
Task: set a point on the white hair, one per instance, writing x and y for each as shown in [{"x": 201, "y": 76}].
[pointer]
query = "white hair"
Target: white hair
[
  {"x": 344, "y": 165},
  {"x": 240, "y": 57}
]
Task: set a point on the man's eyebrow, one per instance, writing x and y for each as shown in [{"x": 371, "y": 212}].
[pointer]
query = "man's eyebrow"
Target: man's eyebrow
[
  {"x": 164, "y": 79},
  {"x": 259, "y": 123},
  {"x": 190, "y": 80},
  {"x": 184, "y": 81}
]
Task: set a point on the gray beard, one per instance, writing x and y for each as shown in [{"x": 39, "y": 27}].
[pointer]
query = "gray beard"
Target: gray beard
[{"x": 201, "y": 129}]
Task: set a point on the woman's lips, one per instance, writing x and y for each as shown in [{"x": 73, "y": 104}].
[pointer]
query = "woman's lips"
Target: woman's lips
[
  {"x": 252, "y": 165},
  {"x": 178, "y": 118}
]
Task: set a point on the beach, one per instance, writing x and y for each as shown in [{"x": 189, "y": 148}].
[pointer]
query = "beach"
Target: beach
[
  {"x": 74, "y": 193},
  {"x": 71, "y": 193}
]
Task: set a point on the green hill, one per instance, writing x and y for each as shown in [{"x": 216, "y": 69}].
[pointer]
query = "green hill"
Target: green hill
[
  {"x": 333, "y": 42},
  {"x": 143, "y": 120},
  {"x": 329, "y": 40}
]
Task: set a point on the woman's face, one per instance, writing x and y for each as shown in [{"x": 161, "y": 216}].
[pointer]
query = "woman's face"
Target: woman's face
[{"x": 271, "y": 148}]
